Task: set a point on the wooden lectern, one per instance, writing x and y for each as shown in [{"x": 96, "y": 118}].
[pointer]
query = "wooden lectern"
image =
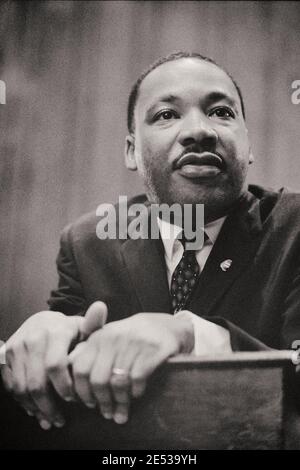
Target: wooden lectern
[{"x": 241, "y": 401}]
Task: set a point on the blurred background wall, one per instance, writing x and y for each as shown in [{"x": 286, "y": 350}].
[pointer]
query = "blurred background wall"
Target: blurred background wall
[{"x": 68, "y": 68}]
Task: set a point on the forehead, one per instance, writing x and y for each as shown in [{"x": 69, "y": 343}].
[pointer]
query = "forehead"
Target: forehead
[{"x": 183, "y": 77}]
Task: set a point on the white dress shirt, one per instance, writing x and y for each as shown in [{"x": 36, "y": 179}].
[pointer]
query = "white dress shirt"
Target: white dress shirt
[{"x": 209, "y": 337}]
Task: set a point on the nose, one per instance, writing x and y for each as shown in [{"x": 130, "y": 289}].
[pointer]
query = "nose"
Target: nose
[{"x": 196, "y": 129}]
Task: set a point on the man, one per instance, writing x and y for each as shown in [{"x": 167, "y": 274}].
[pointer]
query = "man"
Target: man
[{"x": 189, "y": 143}]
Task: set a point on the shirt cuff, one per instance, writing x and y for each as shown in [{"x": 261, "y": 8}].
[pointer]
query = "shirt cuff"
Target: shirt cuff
[{"x": 209, "y": 337}]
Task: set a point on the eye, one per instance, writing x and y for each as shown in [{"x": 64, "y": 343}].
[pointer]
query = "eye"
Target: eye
[
  {"x": 222, "y": 112},
  {"x": 165, "y": 115}
]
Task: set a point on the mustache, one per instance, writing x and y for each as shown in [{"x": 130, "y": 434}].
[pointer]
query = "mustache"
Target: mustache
[{"x": 195, "y": 154}]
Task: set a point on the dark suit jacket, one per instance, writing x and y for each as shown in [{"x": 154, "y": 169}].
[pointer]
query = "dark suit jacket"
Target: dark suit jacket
[{"x": 257, "y": 298}]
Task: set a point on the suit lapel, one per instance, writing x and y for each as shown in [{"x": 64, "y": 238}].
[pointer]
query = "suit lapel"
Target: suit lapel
[
  {"x": 237, "y": 241},
  {"x": 144, "y": 260}
]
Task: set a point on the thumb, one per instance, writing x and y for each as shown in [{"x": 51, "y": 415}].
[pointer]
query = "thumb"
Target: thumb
[{"x": 94, "y": 319}]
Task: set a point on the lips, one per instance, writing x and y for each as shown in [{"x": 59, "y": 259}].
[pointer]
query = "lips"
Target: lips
[
  {"x": 200, "y": 159},
  {"x": 204, "y": 165}
]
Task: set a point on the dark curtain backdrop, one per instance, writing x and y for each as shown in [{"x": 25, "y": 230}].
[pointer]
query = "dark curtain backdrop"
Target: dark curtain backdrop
[{"x": 68, "y": 68}]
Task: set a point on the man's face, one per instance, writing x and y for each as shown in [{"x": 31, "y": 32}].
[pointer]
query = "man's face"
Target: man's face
[{"x": 190, "y": 143}]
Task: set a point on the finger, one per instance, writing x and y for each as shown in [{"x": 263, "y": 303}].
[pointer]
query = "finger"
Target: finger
[
  {"x": 120, "y": 385},
  {"x": 94, "y": 319},
  {"x": 39, "y": 388},
  {"x": 2, "y": 353},
  {"x": 81, "y": 368},
  {"x": 30, "y": 407},
  {"x": 7, "y": 380},
  {"x": 100, "y": 378},
  {"x": 20, "y": 390},
  {"x": 76, "y": 352},
  {"x": 11, "y": 376},
  {"x": 121, "y": 382},
  {"x": 57, "y": 370},
  {"x": 144, "y": 365},
  {"x": 138, "y": 387},
  {"x": 47, "y": 412},
  {"x": 121, "y": 412},
  {"x": 14, "y": 379},
  {"x": 17, "y": 358}
]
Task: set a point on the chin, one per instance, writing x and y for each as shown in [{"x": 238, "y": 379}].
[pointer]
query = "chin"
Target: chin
[
  {"x": 216, "y": 201},
  {"x": 198, "y": 196},
  {"x": 215, "y": 197}
]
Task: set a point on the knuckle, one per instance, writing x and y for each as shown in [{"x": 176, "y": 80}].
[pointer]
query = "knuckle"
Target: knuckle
[
  {"x": 19, "y": 390},
  {"x": 36, "y": 389},
  {"x": 139, "y": 341},
  {"x": 8, "y": 386},
  {"x": 98, "y": 384},
  {"x": 5, "y": 372},
  {"x": 12, "y": 351},
  {"x": 80, "y": 371},
  {"x": 106, "y": 407},
  {"x": 119, "y": 383},
  {"x": 53, "y": 366},
  {"x": 10, "y": 347},
  {"x": 110, "y": 334},
  {"x": 123, "y": 401},
  {"x": 138, "y": 376}
]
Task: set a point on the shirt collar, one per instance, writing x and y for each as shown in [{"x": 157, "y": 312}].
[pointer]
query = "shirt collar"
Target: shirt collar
[
  {"x": 213, "y": 228},
  {"x": 169, "y": 233}
]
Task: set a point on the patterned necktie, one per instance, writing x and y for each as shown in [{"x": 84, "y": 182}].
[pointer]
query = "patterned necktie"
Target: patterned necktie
[{"x": 184, "y": 279}]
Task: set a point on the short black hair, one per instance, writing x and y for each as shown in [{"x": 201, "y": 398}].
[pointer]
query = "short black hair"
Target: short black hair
[{"x": 162, "y": 60}]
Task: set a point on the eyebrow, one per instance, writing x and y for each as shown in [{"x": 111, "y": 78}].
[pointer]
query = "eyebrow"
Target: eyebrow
[
  {"x": 165, "y": 99},
  {"x": 219, "y": 96},
  {"x": 212, "y": 97}
]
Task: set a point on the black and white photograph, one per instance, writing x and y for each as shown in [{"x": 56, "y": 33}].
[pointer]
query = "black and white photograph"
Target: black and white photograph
[{"x": 149, "y": 227}]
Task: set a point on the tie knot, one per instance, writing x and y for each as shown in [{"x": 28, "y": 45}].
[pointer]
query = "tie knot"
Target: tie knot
[{"x": 185, "y": 241}]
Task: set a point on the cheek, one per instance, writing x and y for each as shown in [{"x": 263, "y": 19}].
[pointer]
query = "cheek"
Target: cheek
[
  {"x": 152, "y": 148},
  {"x": 143, "y": 144},
  {"x": 239, "y": 143}
]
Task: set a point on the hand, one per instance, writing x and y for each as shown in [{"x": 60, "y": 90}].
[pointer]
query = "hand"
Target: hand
[
  {"x": 37, "y": 360},
  {"x": 134, "y": 348}
]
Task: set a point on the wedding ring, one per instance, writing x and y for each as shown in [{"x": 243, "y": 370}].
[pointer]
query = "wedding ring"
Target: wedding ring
[{"x": 119, "y": 372}]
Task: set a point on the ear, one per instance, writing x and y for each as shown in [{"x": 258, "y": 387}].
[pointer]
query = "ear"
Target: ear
[
  {"x": 251, "y": 158},
  {"x": 129, "y": 153}
]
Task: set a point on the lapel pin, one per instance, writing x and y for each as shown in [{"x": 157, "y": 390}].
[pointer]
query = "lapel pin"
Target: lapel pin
[{"x": 226, "y": 264}]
